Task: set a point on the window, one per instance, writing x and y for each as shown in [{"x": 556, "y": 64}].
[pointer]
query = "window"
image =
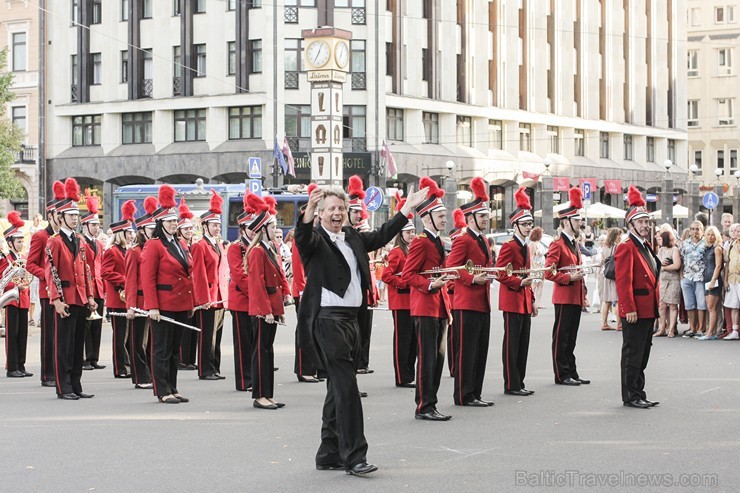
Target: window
[
  {"x": 730, "y": 14},
  {"x": 719, "y": 15},
  {"x": 293, "y": 55},
  {"x": 75, "y": 15},
  {"x": 231, "y": 6},
  {"x": 124, "y": 66},
  {"x": 19, "y": 52},
  {"x": 431, "y": 127},
  {"x": 495, "y": 134},
  {"x": 357, "y": 63},
  {"x": 97, "y": 11},
  {"x": 604, "y": 145},
  {"x": 96, "y": 66},
  {"x": 389, "y": 59},
  {"x": 176, "y": 61},
  {"x": 298, "y": 121},
  {"x": 146, "y": 12},
  {"x": 724, "y": 111},
  {"x": 650, "y": 144},
  {"x": 553, "y": 139},
  {"x": 137, "y": 128},
  {"x": 176, "y": 8},
  {"x": 425, "y": 65},
  {"x": 693, "y": 63},
  {"x": 18, "y": 117},
  {"x": 349, "y": 3},
  {"x": 697, "y": 158},
  {"x": 394, "y": 123},
  {"x": 628, "y": 148},
  {"x": 672, "y": 150},
  {"x": 73, "y": 68},
  {"x": 200, "y": 7},
  {"x": 354, "y": 120},
  {"x": 124, "y": 10},
  {"x": 525, "y": 137},
  {"x": 300, "y": 3},
  {"x": 231, "y": 61},
  {"x": 721, "y": 159},
  {"x": 579, "y": 135},
  {"x": 696, "y": 16},
  {"x": 86, "y": 130},
  {"x": 148, "y": 63},
  {"x": 245, "y": 122},
  {"x": 464, "y": 131},
  {"x": 693, "y": 113},
  {"x": 200, "y": 60},
  {"x": 733, "y": 160},
  {"x": 256, "y": 46},
  {"x": 725, "y": 61},
  {"x": 190, "y": 125}
]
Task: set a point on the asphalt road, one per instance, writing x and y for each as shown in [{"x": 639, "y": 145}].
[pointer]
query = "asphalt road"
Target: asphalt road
[{"x": 560, "y": 439}]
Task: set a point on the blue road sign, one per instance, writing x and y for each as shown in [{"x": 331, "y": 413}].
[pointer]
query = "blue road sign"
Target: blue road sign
[
  {"x": 586, "y": 190},
  {"x": 373, "y": 198},
  {"x": 255, "y": 186},
  {"x": 255, "y": 167},
  {"x": 710, "y": 200}
]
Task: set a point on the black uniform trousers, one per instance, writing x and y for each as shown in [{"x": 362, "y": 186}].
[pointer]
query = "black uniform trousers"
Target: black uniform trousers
[
  {"x": 337, "y": 336},
  {"x": 93, "y": 334},
  {"x": 263, "y": 358},
  {"x": 206, "y": 359},
  {"x": 189, "y": 344},
  {"x": 305, "y": 361},
  {"x": 69, "y": 344},
  {"x": 365, "y": 321},
  {"x": 218, "y": 327},
  {"x": 404, "y": 347},
  {"x": 16, "y": 338},
  {"x": 47, "y": 340},
  {"x": 471, "y": 337},
  {"x": 242, "y": 336},
  {"x": 430, "y": 346},
  {"x": 564, "y": 333},
  {"x": 165, "y": 338},
  {"x": 515, "y": 349},
  {"x": 637, "y": 339},
  {"x": 121, "y": 355},
  {"x": 138, "y": 328},
  {"x": 450, "y": 341}
]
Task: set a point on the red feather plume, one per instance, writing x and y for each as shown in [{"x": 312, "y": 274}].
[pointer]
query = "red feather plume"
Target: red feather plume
[
  {"x": 72, "y": 189},
  {"x": 458, "y": 217},
  {"x": 92, "y": 204},
  {"x": 271, "y": 203},
  {"x": 185, "y": 210},
  {"x": 14, "y": 218},
  {"x": 479, "y": 188},
  {"x": 400, "y": 202},
  {"x": 256, "y": 203},
  {"x": 364, "y": 214},
  {"x": 522, "y": 199},
  {"x": 167, "y": 197},
  {"x": 634, "y": 197},
  {"x": 216, "y": 202},
  {"x": 245, "y": 201},
  {"x": 355, "y": 187},
  {"x": 150, "y": 205},
  {"x": 434, "y": 190},
  {"x": 128, "y": 210},
  {"x": 576, "y": 198},
  {"x": 58, "y": 188}
]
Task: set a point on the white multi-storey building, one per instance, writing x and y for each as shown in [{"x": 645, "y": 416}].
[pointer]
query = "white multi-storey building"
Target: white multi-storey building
[{"x": 172, "y": 90}]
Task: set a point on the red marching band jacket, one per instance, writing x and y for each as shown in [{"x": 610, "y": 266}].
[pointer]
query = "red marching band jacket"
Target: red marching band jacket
[
  {"x": 239, "y": 282},
  {"x": 165, "y": 278},
  {"x": 512, "y": 297},
  {"x": 398, "y": 291},
  {"x": 469, "y": 296},
  {"x": 208, "y": 281},
  {"x": 637, "y": 284},
  {"x": 95, "y": 261},
  {"x": 424, "y": 255},
  {"x": 113, "y": 272},
  {"x": 72, "y": 272},
  {"x": 24, "y": 301},
  {"x": 37, "y": 259},
  {"x": 133, "y": 288},
  {"x": 267, "y": 283},
  {"x": 564, "y": 292},
  {"x": 299, "y": 273}
]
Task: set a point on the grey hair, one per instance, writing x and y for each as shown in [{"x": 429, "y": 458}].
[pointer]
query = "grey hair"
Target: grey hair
[{"x": 333, "y": 192}]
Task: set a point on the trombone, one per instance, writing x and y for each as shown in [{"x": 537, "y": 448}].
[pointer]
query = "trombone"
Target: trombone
[{"x": 449, "y": 272}]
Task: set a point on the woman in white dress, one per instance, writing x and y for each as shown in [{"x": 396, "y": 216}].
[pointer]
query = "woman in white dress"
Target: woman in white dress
[{"x": 537, "y": 252}]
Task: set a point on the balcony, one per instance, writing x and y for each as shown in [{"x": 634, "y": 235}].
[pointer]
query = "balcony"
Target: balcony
[
  {"x": 359, "y": 81},
  {"x": 25, "y": 155},
  {"x": 291, "y": 15},
  {"x": 358, "y": 16},
  {"x": 359, "y": 144},
  {"x": 291, "y": 80},
  {"x": 177, "y": 86},
  {"x": 74, "y": 93},
  {"x": 147, "y": 88}
]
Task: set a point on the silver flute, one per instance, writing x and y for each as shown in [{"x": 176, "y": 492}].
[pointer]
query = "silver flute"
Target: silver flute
[{"x": 167, "y": 319}]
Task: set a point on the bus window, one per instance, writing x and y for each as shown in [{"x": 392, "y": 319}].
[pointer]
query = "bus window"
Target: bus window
[
  {"x": 285, "y": 214},
  {"x": 236, "y": 207}
]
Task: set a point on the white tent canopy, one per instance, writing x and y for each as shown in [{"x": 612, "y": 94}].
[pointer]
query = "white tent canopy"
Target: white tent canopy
[
  {"x": 594, "y": 211},
  {"x": 679, "y": 212}
]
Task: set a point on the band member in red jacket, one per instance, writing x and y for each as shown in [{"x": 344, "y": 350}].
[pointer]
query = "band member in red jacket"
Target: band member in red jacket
[
  {"x": 268, "y": 292},
  {"x": 210, "y": 290},
  {"x": 94, "y": 254},
  {"x": 638, "y": 270},
  {"x": 189, "y": 343},
  {"x": 472, "y": 302},
  {"x": 16, "y": 312},
  {"x": 458, "y": 221},
  {"x": 515, "y": 297},
  {"x": 134, "y": 296},
  {"x": 430, "y": 309},
  {"x": 168, "y": 291},
  {"x": 404, "y": 343},
  {"x": 568, "y": 292},
  {"x": 36, "y": 265},
  {"x": 70, "y": 291}
]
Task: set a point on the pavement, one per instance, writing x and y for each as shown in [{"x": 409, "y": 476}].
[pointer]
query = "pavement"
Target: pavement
[{"x": 559, "y": 439}]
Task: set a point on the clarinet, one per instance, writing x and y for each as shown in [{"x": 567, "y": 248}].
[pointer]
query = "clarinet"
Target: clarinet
[{"x": 55, "y": 274}]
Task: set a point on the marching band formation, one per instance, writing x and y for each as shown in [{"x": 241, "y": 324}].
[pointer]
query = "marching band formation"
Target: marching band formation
[{"x": 166, "y": 296}]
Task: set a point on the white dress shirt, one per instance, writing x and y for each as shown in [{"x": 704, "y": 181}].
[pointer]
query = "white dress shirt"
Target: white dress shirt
[{"x": 353, "y": 296}]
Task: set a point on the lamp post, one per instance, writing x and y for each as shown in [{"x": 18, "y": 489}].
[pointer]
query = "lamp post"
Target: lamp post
[
  {"x": 546, "y": 197},
  {"x": 695, "y": 198},
  {"x": 716, "y": 217},
  {"x": 666, "y": 203},
  {"x": 736, "y": 197}
]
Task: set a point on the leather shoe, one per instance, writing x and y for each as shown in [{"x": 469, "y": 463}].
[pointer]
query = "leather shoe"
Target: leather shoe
[
  {"x": 83, "y": 395},
  {"x": 362, "y": 469},
  {"x": 15, "y": 374},
  {"x": 488, "y": 403},
  {"x": 97, "y": 366},
  {"x": 330, "y": 467},
  {"x": 363, "y": 394},
  {"x": 68, "y": 397},
  {"x": 652, "y": 403},
  {"x": 583, "y": 381},
  {"x": 638, "y": 403},
  {"x": 433, "y": 415},
  {"x": 209, "y": 377},
  {"x": 475, "y": 403},
  {"x": 220, "y": 377},
  {"x": 278, "y": 404},
  {"x": 530, "y": 392},
  {"x": 308, "y": 379},
  {"x": 87, "y": 366},
  {"x": 407, "y": 385},
  {"x": 26, "y": 374},
  {"x": 264, "y": 406},
  {"x": 49, "y": 383},
  {"x": 181, "y": 398},
  {"x": 569, "y": 381},
  {"x": 522, "y": 392},
  {"x": 169, "y": 399},
  {"x": 144, "y": 386}
]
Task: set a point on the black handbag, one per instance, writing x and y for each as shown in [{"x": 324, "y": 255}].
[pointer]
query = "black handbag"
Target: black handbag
[{"x": 610, "y": 271}]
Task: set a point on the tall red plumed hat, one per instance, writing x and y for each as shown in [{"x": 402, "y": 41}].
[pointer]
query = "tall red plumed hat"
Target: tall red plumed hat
[
  {"x": 262, "y": 212},
  {"x": 636, "y": 209},
  {"x": 91, "y": 216},
  {"x": 16, "y": 225},
  {"x": 576, "y": 204},
  {"x": 458, "y": 221},
  {"x": 213, "y": 214},
  {"x": 186, "y": 215},
  {"x": 72, "y": 197},
  {"x": 150, "y": 205},
  {"x": 59, "y": 195},
  {"x": 400, "y": 202},
  {"x": 480, "y": 202},
  {"x": 167, "y": 206},
  {"x": 523, "y": 211},
  {"x": 434, "y": 194},
  {"x": 356, "y": 193}
]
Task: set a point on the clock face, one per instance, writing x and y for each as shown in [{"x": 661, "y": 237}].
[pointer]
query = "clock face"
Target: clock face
[
  {"x": 341, "y": 54},
  {"x": 318, "y": 53}
]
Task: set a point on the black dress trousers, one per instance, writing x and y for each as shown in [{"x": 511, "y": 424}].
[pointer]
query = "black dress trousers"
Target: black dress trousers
[
  {"x": 637, "y": 339},
  {"x": 206, "y": 358},
  {"x": 430, "y": 340},
  {"x": 263, "y": 359},
  {"x": 47, "y": 340},
  {"x": 470, "y": 340},
  {"x": 120, "y": 327},
  {"x": 16, "y": 338},
  {"x": 404, "y": 346},
  {"x": 140, "y": 372},
  {"x": 564, "y": 334},
  {"x": 93, "y": 334},
  {"x": 515, "y": 349},
  {"x": 165, "y": 338},
  {"x": 242, "y": 336},
  {"x": 69, "y": 337}
]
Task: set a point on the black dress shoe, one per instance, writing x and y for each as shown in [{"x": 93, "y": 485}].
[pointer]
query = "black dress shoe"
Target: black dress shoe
[
  {"x": 97, "y": 366},
  {"x": 583, "y": 381},
  {"x": 488, "y": 403},
  {"x": 87, "y": 366},
  {"x": 639, "y": 403},
  {"x": 144, "y": 386},
  {"x": 49, "y": 383},
  {"x": 15, "y": 374},
  {"x": 169, "y": 399},
  {"x": 190, "y": 367},
  {"x": 26, "y": 374},
  {"x": 522, "y": 392},
  {"x": 303, "y": 379},
  {"x": 408, "y": 385},
  {"x": 83, "y": 395},
  {"x": 279, "y": 404},
  {"x": 209, "y": 377},
  {"x": 652, "y": 403},
  {"x": 68, "y": 397},
  {"x": 181, "y": 398},
  {"x": 362, "y": 469},
  {"x": 275, "y": 368},
  {"x": 264, "y": 406},
  {"x": 433, "y": 415},
  {"x": 124, "y": 375},
  {"x": 220, "y": 377},
  {"x": 530, "y": 392},
  {"x": 475, "y": 403},
  {"x": 330, "y": 467},
  {"x": 569, "y": 381},
  {"x": 363, "y": 394}
]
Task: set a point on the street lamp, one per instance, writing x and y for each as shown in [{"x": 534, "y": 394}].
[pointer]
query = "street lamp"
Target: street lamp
[
  {"x": 716, "y": 215},
  {"x": 667, "y": 196},
  {"x": 545, "y": 221},
  {"x": 547, "y": 163},
  {"x": 694, "y": 197}
]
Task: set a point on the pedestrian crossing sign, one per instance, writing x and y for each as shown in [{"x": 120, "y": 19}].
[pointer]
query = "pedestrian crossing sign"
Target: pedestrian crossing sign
[{"x": 255, "y": 167}]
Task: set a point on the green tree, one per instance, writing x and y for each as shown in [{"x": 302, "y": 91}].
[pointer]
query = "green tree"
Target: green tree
[{"x": 11, "y": 136}]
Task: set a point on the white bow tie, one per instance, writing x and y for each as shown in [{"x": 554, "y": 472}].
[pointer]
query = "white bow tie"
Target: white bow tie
[{"x": 336, "y": 236}]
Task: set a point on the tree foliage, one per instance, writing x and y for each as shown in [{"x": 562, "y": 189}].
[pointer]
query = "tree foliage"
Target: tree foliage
[{"x": 11, "y": 136}]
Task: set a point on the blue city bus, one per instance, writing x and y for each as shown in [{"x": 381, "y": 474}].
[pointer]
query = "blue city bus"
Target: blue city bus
[{"x": 198, "y": 197}]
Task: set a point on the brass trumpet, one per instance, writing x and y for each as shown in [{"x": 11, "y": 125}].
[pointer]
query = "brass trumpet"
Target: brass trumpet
[
  {"x": 122, "y": 295},
  {"x": 454, "y": 272},
  {"x": 583, "y": 269},
  {"x": 494, "y": 272}
]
